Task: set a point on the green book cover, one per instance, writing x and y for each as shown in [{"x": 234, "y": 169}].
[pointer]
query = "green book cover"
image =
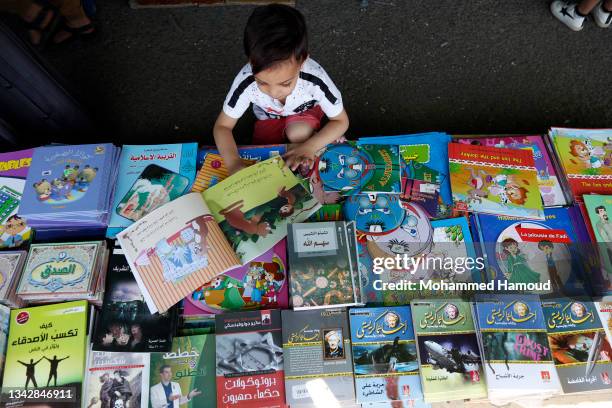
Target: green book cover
[
  {"x": 46, "y": 348},
  {"x": 451, "y": 366},
  {"x": 188, "y": 370},
  {"x": 599, "y": 208}
]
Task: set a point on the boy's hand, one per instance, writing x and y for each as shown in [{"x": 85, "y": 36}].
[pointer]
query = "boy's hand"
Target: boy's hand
[
  {"x": 304, "y": 154},
  {"x": 235, "y": 167}
]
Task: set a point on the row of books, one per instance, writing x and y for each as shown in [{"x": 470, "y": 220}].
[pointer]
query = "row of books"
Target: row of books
[{"x": 506, "y": 348}]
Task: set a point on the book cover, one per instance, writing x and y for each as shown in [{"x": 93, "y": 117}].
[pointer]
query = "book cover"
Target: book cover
[
  {"x": 586, "y": 157},
  {"x": 254, "y": 206},
  {"x": 125, "y": 323},
  {"x": 213, "y": 171},
  {"x": 172, "y": 250},
  {"x": 260, "y": 284},
  {"x": 187, "y": 371},
  {"x": 66, "y": 179},
  {"x": 526, "y": 251},
  {"x": 548, "y": 180},
  {"x": 255, "y": 153},
  {"x": 46, "y": 348},
  {"x": 318, "y": 359},
  {"x": 599, "y": 209},
  {"x": 64, "y": 268},
  {"x": 5, "y": 317},
  {"x": 517, "y": 357},
  {"x": 14, "y": 166},
  {"x": 250, "y": 362},
  {"x": 11, "y": 266},
  {"x": 117, "y": 380},
  {"x": 324, "y": 270},
  {"x": 449, "y": 357},
  {"x": 150, "y": 176},
  {"x": 384, "y": 355},
  {"x": 604, "y": 310},
  {"x": 352, "y": 169},
  {"x": 494, "y": 180},
  {"x": 581, "y": 351}
]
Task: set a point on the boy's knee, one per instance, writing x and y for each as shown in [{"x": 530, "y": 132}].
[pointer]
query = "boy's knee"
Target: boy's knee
[{"x": 298, "y": 132}]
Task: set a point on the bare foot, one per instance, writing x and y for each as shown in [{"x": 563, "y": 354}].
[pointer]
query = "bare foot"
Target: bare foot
[
  {"x": 31, "y": 15},
  {"x": 76, "y": 23}
]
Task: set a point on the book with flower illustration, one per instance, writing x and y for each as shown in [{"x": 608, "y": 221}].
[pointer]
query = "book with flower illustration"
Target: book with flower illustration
[
  {"x": 549, "y": 182},
  {"x": 494, "y": 180},
  {"x": 586, "y": 158},
  {"x": 179, "y": 246}
]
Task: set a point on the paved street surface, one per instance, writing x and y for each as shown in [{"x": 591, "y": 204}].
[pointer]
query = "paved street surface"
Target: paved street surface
[{"x": 478, "y": 66}]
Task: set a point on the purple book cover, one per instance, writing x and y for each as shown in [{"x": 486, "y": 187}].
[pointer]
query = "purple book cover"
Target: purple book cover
[
  {"x": 68, "y": 179},
  {"x": 548, "y": 181},
  {"x": 14, "y": 168}
]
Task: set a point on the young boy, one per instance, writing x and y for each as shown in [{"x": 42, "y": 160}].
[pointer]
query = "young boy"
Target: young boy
[
  {"x": 573, "y": 14},
  {"x": 289, "y": 91}
]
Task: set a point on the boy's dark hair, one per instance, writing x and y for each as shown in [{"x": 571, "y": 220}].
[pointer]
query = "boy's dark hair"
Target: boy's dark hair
[
  {"x": 275, "y": 33},
  {"x": 545, "y": 243},
  {"x": 599, "y": 208}
]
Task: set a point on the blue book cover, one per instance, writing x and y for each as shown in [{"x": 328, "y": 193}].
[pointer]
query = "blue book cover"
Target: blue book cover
[
  {"x": 384, "y": 355},
  {"x": 581, "y": 351},
  {"x": 437, "y": 149},
  {"x": 255, "y": 152},
  {"x": 150, "y": 176},
  {"x": 517, "y": 357},
  {"x": 529, "y": 251},
  {"x": 67, "y": 179}
]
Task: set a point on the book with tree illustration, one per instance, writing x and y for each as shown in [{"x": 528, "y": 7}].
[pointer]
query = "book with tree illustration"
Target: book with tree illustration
[
  {"x": 494, "y": 180},
  {"x": 586, "y": 157},
  {"x": 179, "y": 246}
]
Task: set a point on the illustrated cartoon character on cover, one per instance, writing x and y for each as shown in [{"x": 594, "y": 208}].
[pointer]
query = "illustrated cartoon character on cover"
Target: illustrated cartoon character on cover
[
  {"x": 508, "y": 190},
  {"x": 16, "y": 231},
  {"x": 517, "y": 270},
  {"x": 236, "y": 219},
  {"x": 252, "y": 282},
  {"x": 43, "y": 189},
  {"x": 71, "y": 173},
  {"x": 85, "y": 177},
  {"x": 145, "y": 197},
  {"x": 342, "y": 167},
  {"x": 375, "y": 214},
  {"x": 61, "y": 189},
  {"x": 322, "y": 196},
  {"x": 479, "y": 183},
  {"x": 232, "y": 299},
  {"x": 273, "y": 278},
  {"x": 591, "y": 157}
]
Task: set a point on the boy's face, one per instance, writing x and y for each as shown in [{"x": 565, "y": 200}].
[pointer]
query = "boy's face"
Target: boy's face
[{"x": 279, "y": 80}]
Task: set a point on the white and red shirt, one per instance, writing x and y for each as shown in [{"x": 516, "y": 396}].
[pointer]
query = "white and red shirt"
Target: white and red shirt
[{"x": 314, "y": 87}]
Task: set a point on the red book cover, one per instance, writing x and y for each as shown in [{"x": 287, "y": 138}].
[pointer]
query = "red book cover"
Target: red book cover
[{"x": 250, "y": 360}]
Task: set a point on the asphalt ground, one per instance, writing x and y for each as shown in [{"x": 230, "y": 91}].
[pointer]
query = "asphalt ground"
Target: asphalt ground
[{"x": 403, "y": 66}]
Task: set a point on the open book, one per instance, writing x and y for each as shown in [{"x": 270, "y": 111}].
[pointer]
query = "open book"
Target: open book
[{"x": 187, "y": 242}]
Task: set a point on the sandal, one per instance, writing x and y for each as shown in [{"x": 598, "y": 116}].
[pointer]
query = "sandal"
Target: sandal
[
  {"x": 86, "y": 31},
  {"x": 42, "y": 22}
]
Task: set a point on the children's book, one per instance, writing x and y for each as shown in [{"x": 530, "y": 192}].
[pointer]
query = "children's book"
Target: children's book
[
  {"x": 5, "y": 317},
  {"x": 324, "y": 265},
  {"x": 424, "y": 160},
  {"x": 150, "y": 176},
  {"x": 599, "y": 209},
  {"x": 604, "y": 310},
  {"x": 318, "y": 358},
  {"x": 260, "y": 284},
  {"x": 422, "y": 183},
  {"x": 255, "y": 205},
  {"x": 581, "y": 351},
  {"x": 384, "y": 355},
  {"x": 125, "y": 323},
  {"x": 494, "y": 180},
  {"x": 250, "y": 362},
  {"x": 517, "y": 357},
  {"x": 213, "y": 171},
  {"x": 187, "y": 371},
  {"x": 586, "y": 157},
  {"x": 14, "y": 166},
  {"x": 526, "y": 251},
  {"x": 11, "y": 266},
  {"x": 174, "y": 249},
  {"x": 551, "y": 189},
  {"x": 69, "y": 185},
  {"x": 117, "y": 380},
  {"x": 62, "y": 271},
  {"x": 47, "y": 349},
  {"x": 352, "y": 169},
  {"x": 255, "y": 153},
  {"x": 447, "y": 346}
]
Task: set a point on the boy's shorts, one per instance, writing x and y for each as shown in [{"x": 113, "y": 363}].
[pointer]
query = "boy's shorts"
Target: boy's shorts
[{"x": 272, "y": 131}]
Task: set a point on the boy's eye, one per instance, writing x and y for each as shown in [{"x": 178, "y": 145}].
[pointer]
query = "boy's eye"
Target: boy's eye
[{"x": 286, "y": 85}]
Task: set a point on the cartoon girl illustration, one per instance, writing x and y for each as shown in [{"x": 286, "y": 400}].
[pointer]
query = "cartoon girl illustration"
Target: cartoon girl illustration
[
  {"x": 272, "y": 281},
  {"x": 253, "y": 285},
  {"x": 517, "y": 269},
  {"x": 585, "y": 152}
]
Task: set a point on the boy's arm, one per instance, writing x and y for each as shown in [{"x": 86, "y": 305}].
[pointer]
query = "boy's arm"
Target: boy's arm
[
  {"x": 224, "y": 139},
  {"x": 306, "y": 152}
]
